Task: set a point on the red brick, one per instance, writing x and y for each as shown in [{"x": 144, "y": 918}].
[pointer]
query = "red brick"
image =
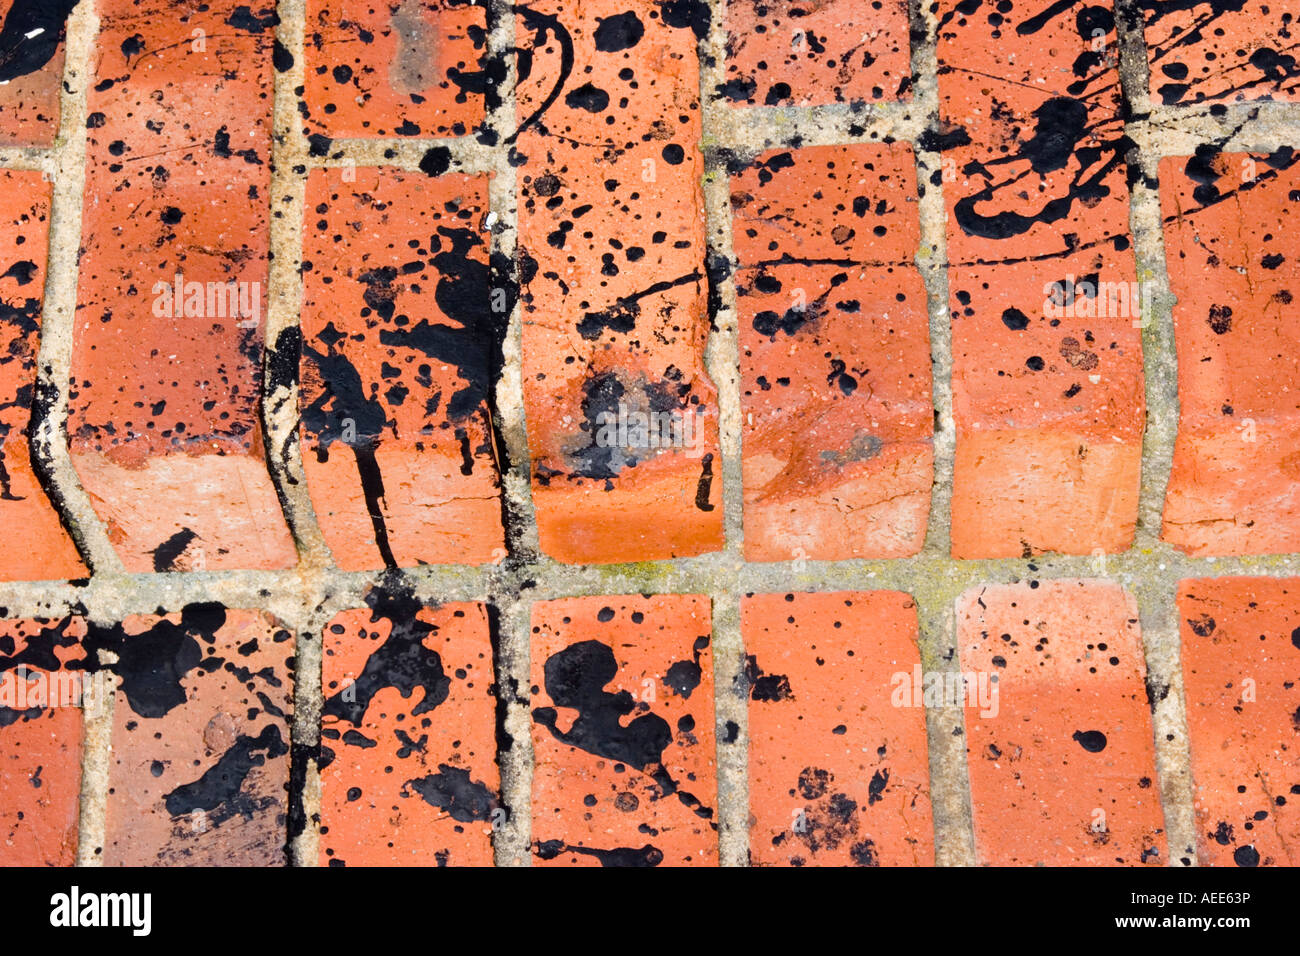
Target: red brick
[
  {"x": 42, "y": 550},
  {"x": 1231, "y": 250},
  {"x": 623, "y": 732},
  {"x": 392, "y": 69},
  {"x": 838, "y": 772},
  {"x": 1049, "y": 412},
  {"x": 32, "y": 72},
  {"x": 40, "y": 738},
  {"x": 1063, "y": 773},
  {"x": 409, "y": 773},
  {"x": 166, "y": 436},
  {"x": 1241, "y": 50},
  {"x": 200, "y": 766},
  {"x": 398, "y": 443},
  {"x": 1048, "y": 407},
  {"x": 809, "y": 54},
  {"x": 1241, "y": 646},
  {"x": 614, "y": 287},
  {"x": 835, "y": 355}
]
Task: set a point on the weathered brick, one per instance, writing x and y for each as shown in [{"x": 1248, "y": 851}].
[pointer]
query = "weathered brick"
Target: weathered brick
[
  {"x": 832, "y": 51},
  {"x": 31, "y": 70},
  {"x": 614, "y": 285},
  {"x": 401, "y": 349},
  {"x": 1240, "y": 651},
  {"x": 1059, "y": 746},
  {"x": 838, "y": 772},
  {"x": 1216, "y": 50},
  {"x": 41, "y": 677},
  {"x": 1047, "y": 395},
  {"x": 200, "y": 766},
  {"x": 42, "y": 550},
  {"x": 835, "y": 356},
  {"x": 163, "y": 418},
  {"x": 1230, "y": 246},
  {"x": 1049, "y": 410},
  {"x": 623, "y": 732},
  {"x": 409, "y": 774},
  {"x": 404, "y": 68}
]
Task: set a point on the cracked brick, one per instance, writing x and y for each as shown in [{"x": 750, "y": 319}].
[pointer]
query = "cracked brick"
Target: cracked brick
[{"x": 613, "y": 286}]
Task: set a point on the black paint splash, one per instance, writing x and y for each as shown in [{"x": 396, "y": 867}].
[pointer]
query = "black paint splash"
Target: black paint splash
[
  {"x": 152, "y": 664},
  {"x": 452, "y": 790},
  {"x": 402, "y": 661},
  {"x": 575, "y": 678},
  {"x": 219, "y": 792},
  {"x": 20, "y": 53},
  {"x": 623, "y": 856}
]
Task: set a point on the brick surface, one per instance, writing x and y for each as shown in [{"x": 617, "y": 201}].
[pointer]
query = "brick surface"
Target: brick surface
[
  {"x": 31, "y": 70},
  {"x": 1241, "y": 647},
  {"x": 837, "y": 759},
  {"x": 614, "y": 285},
  {"x": 1234, "y": 50},
  {"x": 166, "y": 437},
  {"x": 409, "y": 735},
  {"x": 400, "y": 351},
  {"x": 404, "y": 68},
  {"x": 1047, "y": 396},
  {"x": 1061, "y": 757},
  {"x": 835, "y": 360},
  {"x": 43, "y": 550},
  {"x": 808, "y": 54},
  {"x": 41, "y": 676},
  {"x": 640, "y": 134},
  {"x": 200, "y": 760},
  {"x": 623, "y": 732},
  {"x": 1229, "y": 242}
]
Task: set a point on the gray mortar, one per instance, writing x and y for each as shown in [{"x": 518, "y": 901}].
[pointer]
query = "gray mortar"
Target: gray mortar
[{"x": 306, "y": 597}]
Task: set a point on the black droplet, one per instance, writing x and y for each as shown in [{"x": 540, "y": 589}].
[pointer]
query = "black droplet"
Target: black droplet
[
  {"x": 1093, "y": 741},
  {"x": 436, "y": 161},
  {"x": 1015, "y": 320}
]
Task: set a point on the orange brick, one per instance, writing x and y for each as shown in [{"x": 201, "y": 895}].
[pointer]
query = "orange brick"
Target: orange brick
[
  {"x": 43, "y": 550},
  {"x": 405, "y": 68},
  {"x": 612, "y": 248},
  {"x": 1061, "y": 755},
  {"x": 835, "y": 354},
  {"x": 41, "y": 676},
  {"x": 200, "y": 767},
  {"x": 1232, "y": 264},
  {"x": 809, "y": 54},
  {"x": 163, "y": 420},
  {"x": 401, "y": 351},
  {"x": 1241, "y": 645},
  {"x": 31, "y": 73},
  {"x": 838, "y": 772},
  {"x": 409, "y": 774},
  {"x": 1047, "y": 364},
  {"x": 1049, "y": 410},
  {"x": 623, "y": 732},
  {"x": 1238, "y": 50}
]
